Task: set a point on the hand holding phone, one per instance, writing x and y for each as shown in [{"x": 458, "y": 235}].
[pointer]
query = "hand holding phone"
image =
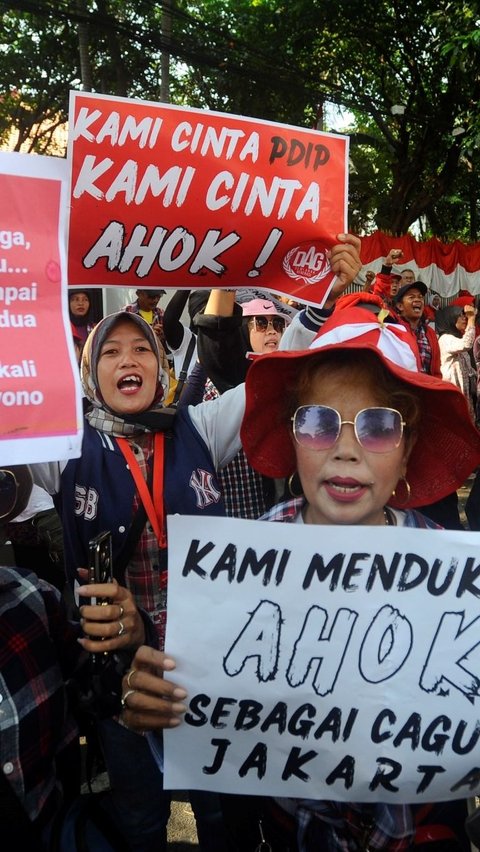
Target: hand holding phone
[
  {"x": 100, "y": 562},
  {"x": 100, "y": 571}
]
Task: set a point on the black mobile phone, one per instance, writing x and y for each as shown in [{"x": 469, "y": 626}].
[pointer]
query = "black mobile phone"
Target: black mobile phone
[
  {"x": 100, "y": 561},
  {"x": 100, "y": 571}
]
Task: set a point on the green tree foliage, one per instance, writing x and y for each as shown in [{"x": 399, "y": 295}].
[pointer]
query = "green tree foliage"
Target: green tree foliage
[
  {"x": 370, "y": 56},
  {"x": 280, "y": 60},
  {"x": 34, "y": 75},
  {"x": 43, "y": 44}
]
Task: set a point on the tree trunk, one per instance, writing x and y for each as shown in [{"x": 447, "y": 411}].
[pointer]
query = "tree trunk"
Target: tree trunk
[
  {"x": 83, "y": 42},
  {"x": 412, "y": 195},
  {"x": 118, "y": 64},
  {"x": 165, "y": 56}
]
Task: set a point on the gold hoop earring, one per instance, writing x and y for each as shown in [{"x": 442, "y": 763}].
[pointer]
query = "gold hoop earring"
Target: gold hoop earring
[
  {"x": 408, "y": 490},
  {"x": 294, "y": 485}
]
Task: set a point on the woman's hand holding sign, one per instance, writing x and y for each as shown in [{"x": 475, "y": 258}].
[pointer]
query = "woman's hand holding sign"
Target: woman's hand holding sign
[{"x": 149, "y": 702}]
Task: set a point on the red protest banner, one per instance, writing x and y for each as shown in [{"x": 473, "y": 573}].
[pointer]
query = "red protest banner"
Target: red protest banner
[
  {"x": 166, "y": 196},
  {"x": 39, "y": 400}
]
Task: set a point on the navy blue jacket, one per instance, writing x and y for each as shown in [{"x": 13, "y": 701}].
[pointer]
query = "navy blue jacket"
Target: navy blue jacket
[{"x": 101, "y": 488}]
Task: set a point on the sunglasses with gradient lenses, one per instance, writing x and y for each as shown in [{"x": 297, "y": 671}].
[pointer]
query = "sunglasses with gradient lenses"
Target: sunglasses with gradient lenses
[
  {"x": 318, "y": 427},
  {"x": 8, "y": 492},
  {"x": 262, "y": 323}
]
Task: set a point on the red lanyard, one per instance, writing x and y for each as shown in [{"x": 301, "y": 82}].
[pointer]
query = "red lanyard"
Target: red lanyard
[{"x": 154, "y": 508}]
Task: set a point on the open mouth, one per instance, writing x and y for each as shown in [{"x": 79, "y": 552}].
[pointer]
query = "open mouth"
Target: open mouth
[{"x": 129, "y": 384}]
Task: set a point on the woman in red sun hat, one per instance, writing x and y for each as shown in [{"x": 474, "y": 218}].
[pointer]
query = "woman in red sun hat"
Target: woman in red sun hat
[{"x": 363, "y": 437}]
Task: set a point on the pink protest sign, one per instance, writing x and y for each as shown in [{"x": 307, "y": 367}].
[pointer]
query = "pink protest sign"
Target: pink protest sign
[{"x": 39, "y": 389}]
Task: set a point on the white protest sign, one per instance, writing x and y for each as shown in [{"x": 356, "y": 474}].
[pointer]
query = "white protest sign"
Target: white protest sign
[{"x": 324, "y": 662}]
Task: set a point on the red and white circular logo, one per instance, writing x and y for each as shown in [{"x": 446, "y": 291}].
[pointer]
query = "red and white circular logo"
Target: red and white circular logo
[{"x": 307, "y": 262}]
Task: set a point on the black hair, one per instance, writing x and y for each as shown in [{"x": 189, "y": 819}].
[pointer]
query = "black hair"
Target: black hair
[
  {"x": 80, "y": 320},
  {"x": 446, "y": 319},
  {"x": 76, "y": 292}
]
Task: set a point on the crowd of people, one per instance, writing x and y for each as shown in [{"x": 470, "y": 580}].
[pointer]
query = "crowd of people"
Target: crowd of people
[
  {"x": 445, "y": 336},
  {"x": 258, "y": 409}
]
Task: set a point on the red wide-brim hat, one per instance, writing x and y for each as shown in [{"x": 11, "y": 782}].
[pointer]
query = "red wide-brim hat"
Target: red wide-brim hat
[{"x": 447, "y": 448}]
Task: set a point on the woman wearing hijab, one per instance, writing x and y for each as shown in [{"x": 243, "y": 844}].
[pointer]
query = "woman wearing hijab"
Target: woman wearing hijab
[
  {"x": 364, "y": 434},
  {"x": 455, "y": 326},
  {"x": 79, "y": 310},
  {"x": 140, "y": 461}
]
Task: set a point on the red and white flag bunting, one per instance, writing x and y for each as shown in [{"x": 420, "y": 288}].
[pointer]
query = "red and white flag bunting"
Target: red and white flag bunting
[{"x": 443, "y": 267}]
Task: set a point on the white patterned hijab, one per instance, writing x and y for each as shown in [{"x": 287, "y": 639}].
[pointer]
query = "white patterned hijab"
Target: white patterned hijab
[{"x": 101, "y": 416}]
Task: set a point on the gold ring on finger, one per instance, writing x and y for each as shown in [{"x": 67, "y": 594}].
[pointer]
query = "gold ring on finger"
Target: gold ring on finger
[{"x": 129, "y": 678}]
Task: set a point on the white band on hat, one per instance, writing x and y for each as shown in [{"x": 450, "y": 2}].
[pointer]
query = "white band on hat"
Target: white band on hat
[{"x": 389, "y": 343}]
